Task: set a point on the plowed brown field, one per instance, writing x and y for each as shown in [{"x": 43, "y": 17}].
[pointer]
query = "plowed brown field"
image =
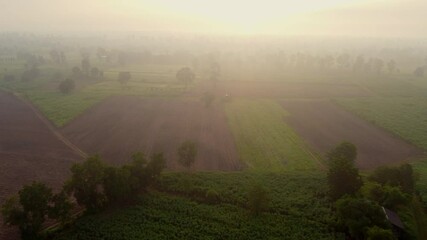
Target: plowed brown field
[
  {"x": 120, "y": 126},
  {"x": 323, "y": 125},
  {"x": 29, "y": 151}
]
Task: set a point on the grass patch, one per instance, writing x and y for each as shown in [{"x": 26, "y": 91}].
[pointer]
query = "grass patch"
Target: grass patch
[{"x": 263, "y": 139}]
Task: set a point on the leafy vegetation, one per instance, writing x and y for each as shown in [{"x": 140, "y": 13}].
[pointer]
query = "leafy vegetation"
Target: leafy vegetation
[
  {"x": 288, "y": 192},
  {"x": 298, "y": 209},
  {"x": 187, "y": 153},
  {"x": 263, "y": 139},
  {"x": 343, "y": 176},
  {"x": 165, "y": 217},
  {"x": 403, "y": 116},
  {"x": 93, "y": 185}
]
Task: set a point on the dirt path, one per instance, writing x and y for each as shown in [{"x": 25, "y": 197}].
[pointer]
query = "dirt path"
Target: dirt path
[
  {"x": 52, "y": 128},
  {"x": 29, "y": 151}
]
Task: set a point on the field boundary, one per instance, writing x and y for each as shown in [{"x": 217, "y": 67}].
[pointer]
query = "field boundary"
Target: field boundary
[{"x": 51, "y": 128}]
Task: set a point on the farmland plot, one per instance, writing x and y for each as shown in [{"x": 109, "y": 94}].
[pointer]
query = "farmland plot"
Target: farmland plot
[
  {"x": 324, "y": 125},
  {"x": 121, "y": 126},
  {"x": 263, "y": 140}
]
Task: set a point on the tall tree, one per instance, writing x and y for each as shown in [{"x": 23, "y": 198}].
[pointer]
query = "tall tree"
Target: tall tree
[
  {"x": 358, "y": 215},
  {"x": 124, "y": 78},
  {"x": 30, "y": 210},
  {"x": 86, "y": 183},
  {"x": 185, "y": 76},
  {"x": 187, "y": 153},
  {"x": 257, "y": 199},
  {"x": 343, "y": 177},
  {"x": 86, "y": 66}
]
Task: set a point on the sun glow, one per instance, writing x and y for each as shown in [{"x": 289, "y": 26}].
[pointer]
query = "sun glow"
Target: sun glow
[{"x": 238, "y": 16}]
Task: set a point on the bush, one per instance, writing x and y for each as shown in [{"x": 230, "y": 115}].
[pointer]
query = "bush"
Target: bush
[
  {"x": 258, "y": 200},
  {"x": 212, "y": 196},
  {"x": 67, "y": 86},
  {"x": 377, "y": 233}
]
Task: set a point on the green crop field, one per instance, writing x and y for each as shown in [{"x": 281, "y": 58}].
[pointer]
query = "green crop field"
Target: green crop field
[
  {"x": 263, "y": 139},
  {"x": 298, "y": 210},
  {"x": 151, "y": 81}
]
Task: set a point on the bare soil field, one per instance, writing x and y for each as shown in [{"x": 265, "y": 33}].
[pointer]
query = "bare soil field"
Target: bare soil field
[
  {"x": 121, "y": 126},
  {"x": 323, "y": 125},
  {"x": 29, "y": 151},
  {"x": 288, "y": 89}
]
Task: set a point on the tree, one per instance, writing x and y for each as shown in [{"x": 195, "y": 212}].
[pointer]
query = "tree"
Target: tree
[
  {"x": 143, "y": 173},
  {"x": 86, "y": 183},
  {"x": 402, "y": 176},
  {"x": 155, "y": 167},
  {"x": 391, "y": 66},
  {"x": 358, "y": 214},
  {"x": 94, "y": 72},
  {"x": 61, "y": 207},
  {"x": 343, "y": 177},
  {"x": 212, "y": 196},
  {"x": 419, "y": 72},
  {"x": 387, "y": 196},
  {"x": 66, "y": 86},
  {"x": 215, "y": 72},
  {"x": 187, "y": 153},
  {"x": 30, "y": 74},
  {"x": 86, "y": 66},
  {"x": 124, "y": 78},
  {"x": 185, "y": 76},
  {"x": 208, "y": 98},
  {"x": 77, "y": 72},
  {"x": 30, "y": 210},
  {"x": 116, "y": 184},
  {"x": 257, "y": 199}
]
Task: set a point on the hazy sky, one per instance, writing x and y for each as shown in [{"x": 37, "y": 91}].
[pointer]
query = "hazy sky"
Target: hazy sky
[{"x": 337, "y": 17}]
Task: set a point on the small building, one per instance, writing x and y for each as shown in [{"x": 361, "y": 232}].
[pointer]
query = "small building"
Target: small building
[{"x": 396, "y": 223}]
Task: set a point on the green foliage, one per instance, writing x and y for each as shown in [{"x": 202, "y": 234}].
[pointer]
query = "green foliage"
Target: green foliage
[
  {"x": 117, "y": 185},
  {"x": 12, "y": 211},
  {"x": 61, "y": 207},
  {"x": 402, "y": 176},
  {"x": 185, "y": 76},
  {"x": 124, "y": 77},
  {"x": 187, "y": 153},
  {"x": 30, "y": 210},
  {"x": 387, "y": 196},
  {"x": 343, "y": 177},
  {"x": 258, "y": 200},
  {"x": 66, "y": 86},
  {"x": 212, "y": 196},
  {"x": 345, "y": 151},
  {"x": 263, "y": 139},
  {"x": 377, "y": 233},
  {"x": 358, "y": 214},
  {"x": 155, "y": 167},
  {"x": 161, "y": 216},
  {"x": 86, "y": 183},
  {"x": 208, "y": 99},
  {"x": 298, "y": 194}
]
